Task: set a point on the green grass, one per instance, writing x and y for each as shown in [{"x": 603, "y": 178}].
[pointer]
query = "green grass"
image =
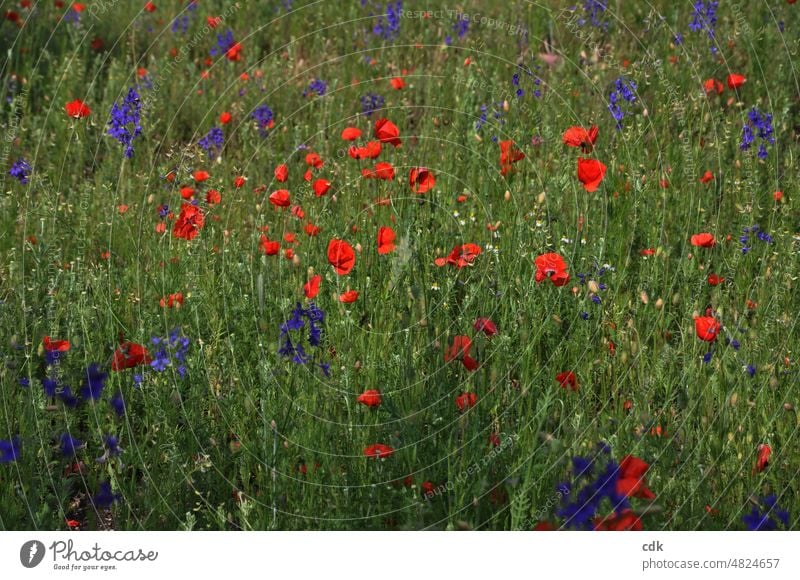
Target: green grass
[{"x": 286, "y": 440}]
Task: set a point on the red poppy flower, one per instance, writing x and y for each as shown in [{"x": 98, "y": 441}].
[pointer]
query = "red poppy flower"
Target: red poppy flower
[
  {"x": 460, "y": 256},
  {"x": 486, "y": 326},
  {"x": 239, "y": 181},
  {"x": 551, "y": 266},
  {"x": 201, "y": 176},
  {"x": 703, "y": 240},
  {"x": 341, "y": 256},
  {"x": 387, "y": 132},
  {"x": 55, "y": 345},
  {"x": 370, "y": 151},
  {"x": 213, "y": 197},
  {"x": 149, "y": 7},
  {"x": 314, "y": 160},
  {"x": 580, "y": 137},
  {"x": 386, "y": 238},
  {"x": 647, "y": 252},
  {"x": 466, "y": 401},
  {"x": 590, "y": 173},
  {"x": 713, "y": 86},
  {"x": 281, "y": 172},
  {"x": 631, "y": 478},
  {"x": 707, "y": 176},
  {"x": 735, "y": 81},
  {"x": 173, "y": 300},
  {"x": 509, "y": 154},
  {"x": 269, "y": 247},
  {"x": 370, "y": 398},
  {"x": 321, "y": 187},
  {"x": 129, "y": 355},
  {"x": 189, "y": 223},
  {"x": 567, "y": 380},
  {"x": 625, "y": 521},
  {"x": 280, "y": 198},
  {"x": 225, "y": 117},
  {"x": 421, "y": 179},
  {"x": 764, "y": 452},
  {"x": 348, "y": 297},
  {"x": 544, "y": 526},
  {"x": 378, "y": 450},
  {"x": 351, "y": 133},
  {"x": 383, "y": 170},
  {"x": 311, "y": 288},
  {"x": 715, "y": 280},
  {"x": 460, "y": 350},
  {"x": 311, "y": 230},
  {"x": 398, "y": 83},
  {"x": 707, "y": 328},
  {"x": 77, "y": 109}
]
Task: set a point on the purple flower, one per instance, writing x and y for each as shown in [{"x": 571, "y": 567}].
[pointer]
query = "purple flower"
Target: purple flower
[
  {"x": 758, "y": 522},
  {"x": 592, "y": 14},
  {"x": 624, "y": 91},
  {"x": 93, "y": 383},
  {"x": 20, "y": 170},
  {"x": 388, "y": 24},
  {"x": 125, "y": 124},
  {"x": 704, "y": 18},
  {"x": 264, "y": 117},
  {"x": 10, "y": 449},
  {"x": 317, "y": 87},
  {"x": 213, "y": 142},
  {"x": 758, "y": 126},
  {"x": 70, "y": 445},
  {"x": 225, "y": 42},
  {"x": 104, "y": 498},
  {"x": 371, "y": 103}
]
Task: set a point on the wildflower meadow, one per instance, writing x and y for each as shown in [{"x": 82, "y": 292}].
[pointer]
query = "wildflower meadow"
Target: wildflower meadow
[{"x": 367, "y": 265}]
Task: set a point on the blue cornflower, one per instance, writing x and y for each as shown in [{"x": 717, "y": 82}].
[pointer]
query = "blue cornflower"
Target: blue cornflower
[
  {"x": 49, "y": 385},
  {"x": 225, "y": 42},
  {"x": 590, "y": 490},
  {"x": 20, "y": 170},
  {"x": 117, "y": 403},
  {"x": 758, "y": 125},
  {"x": 678, "y": 39},
  {"x": 104, "y": 498},
  {"x": 264, "y": 117},
  {"x": 317, "y": 87},
  {"x": 751, "y": 370},
  {"x": 213, "y": 142},
  {"x": 70, "y": 445},
  {"x": 24, "y": 382},
  {"x": 160, "y": 361},
  {"x": 10, "y": 449},
  {"x": 371, "y": 103},
  {"x": 758, "y": 522},
  {"x": 125, "y": 124},
  {"x": 94, "y": 382},
  {"x": 67, "y": 397}
]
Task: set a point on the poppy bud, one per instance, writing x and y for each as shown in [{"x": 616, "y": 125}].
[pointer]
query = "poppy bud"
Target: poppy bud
[
  {"x": 659, "y": 304},
  {"x": 507, "y": 196}
]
